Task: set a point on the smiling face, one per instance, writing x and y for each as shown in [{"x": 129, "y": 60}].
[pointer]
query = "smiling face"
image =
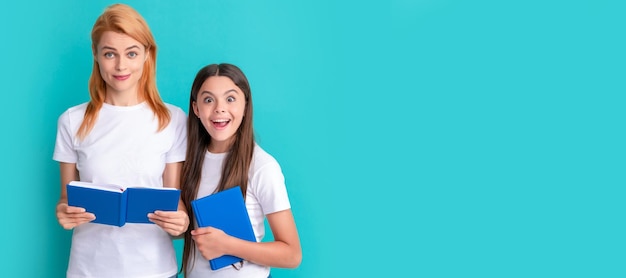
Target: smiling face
[
  {"x": 120, "y": 60},
  {"x": 221, "y": 107}
]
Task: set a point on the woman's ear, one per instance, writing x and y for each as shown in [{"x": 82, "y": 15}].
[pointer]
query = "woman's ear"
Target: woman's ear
[{"x": 94, "y": 54}]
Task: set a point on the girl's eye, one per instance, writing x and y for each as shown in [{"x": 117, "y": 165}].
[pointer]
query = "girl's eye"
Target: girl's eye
[
  {"x": 132, "y": 54},
  {"x": 208, "y": 100},
  {"x": 230, "y": 99},
  {"x": 109, "y": 55}
]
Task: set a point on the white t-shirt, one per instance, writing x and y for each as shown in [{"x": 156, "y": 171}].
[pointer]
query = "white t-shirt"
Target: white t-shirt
[
  {"x": 123, "y": 148},
  {"x": 266, "y": 194}
]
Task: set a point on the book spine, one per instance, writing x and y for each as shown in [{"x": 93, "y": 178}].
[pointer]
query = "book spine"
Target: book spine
[
  {"x": 123, "y": 206},
  {"x": 198, "y": 216}
]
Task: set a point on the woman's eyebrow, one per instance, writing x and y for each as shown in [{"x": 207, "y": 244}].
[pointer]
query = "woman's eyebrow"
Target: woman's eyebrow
[{"x": 112, "y": 48}]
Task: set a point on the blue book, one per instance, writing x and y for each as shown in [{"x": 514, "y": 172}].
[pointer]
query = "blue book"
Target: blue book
[
  {"x": 117, "y": 205},
  {"x": 225, "y": 210}
]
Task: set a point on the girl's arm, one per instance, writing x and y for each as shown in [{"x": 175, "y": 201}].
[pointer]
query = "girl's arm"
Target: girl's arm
[{"x": 283, "y": 252}]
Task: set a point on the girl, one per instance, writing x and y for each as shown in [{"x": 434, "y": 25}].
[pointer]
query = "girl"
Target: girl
[
  {"x": 124, "y": 135},
  {"x": 222, "y": 153}
]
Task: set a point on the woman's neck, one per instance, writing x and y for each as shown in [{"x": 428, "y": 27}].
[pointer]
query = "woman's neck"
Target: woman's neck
[{"x": 123, "y": 99}]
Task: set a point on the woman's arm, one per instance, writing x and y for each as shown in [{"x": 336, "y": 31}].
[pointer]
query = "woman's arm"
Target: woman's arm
[
  {"x": 70, "y": 217},
  {"x": 174, "y": 223}
]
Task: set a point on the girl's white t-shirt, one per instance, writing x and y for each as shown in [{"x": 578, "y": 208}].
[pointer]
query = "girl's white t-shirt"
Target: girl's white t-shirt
[
  {"x": 266, "y": 194},
  {"x": 124, "y": 147}
]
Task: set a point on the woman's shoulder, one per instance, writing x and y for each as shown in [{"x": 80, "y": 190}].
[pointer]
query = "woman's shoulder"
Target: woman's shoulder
[
  {"x": 177, "y": 113},
  {"x": 75, "y": 111},
  {"x": 174, "y": 109},
  {"x": 79, "y": 107},
  {"x": 72, "y": 117}
]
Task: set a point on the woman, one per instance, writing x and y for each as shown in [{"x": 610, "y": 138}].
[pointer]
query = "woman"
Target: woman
[
  {"x": 221, "y": 154},
  {"x": 124, "y": 135}
]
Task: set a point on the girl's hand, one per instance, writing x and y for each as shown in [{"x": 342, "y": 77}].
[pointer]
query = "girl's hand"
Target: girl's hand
[
  {"x": 70, "y": 217},
  {"x": 174, "y": 223},
  {"x": 210, "y": 241}
]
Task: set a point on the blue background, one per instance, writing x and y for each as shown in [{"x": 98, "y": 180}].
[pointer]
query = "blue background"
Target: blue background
[{"x": 418, "y": 138}]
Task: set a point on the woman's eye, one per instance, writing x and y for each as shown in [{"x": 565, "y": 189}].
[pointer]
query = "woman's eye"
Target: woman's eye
[
  {"x": 132, "y": 54},
  {"x": 230, "y": 99},
  {"x": 109, "y": 55}
]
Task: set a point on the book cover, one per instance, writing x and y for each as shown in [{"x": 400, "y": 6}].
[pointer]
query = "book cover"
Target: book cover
[
  {"x": 225, "y": 210},
  {"x": 117, "y": 205},
  {"x": 144, "y": 200},
  {"x": 106, "y": 201}
]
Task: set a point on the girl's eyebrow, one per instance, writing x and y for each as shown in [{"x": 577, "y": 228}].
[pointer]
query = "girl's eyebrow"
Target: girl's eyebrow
[{"x": 227, "y": 91}]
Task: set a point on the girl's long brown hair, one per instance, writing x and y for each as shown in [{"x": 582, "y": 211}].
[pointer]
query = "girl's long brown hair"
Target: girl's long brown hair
[
  {"x": 239, "y": 157},
  {"x": 123, "y": 19}
]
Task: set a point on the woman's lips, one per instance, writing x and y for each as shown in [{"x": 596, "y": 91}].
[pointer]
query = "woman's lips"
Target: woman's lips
[{"x": 121, "y": 77}]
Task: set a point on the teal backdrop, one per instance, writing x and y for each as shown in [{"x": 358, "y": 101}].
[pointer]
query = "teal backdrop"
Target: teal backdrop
[{"x": 418, "y": 138}]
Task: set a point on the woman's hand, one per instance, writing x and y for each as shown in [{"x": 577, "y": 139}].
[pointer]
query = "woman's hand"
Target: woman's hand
[
  {"x": 70, "y": 217},
  {"x": 174, "y": 223},
  {"x": 210, "y": 241}
]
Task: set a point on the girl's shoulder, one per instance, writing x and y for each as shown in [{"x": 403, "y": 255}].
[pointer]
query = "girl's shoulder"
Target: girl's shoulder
[{"x": 262, "y": 157}]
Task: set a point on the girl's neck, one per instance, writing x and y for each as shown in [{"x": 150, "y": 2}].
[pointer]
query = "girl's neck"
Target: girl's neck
[{"x": 219, "y": 147}]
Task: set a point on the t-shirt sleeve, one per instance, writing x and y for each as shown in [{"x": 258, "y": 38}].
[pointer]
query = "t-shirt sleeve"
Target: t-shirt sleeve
[
  {"x": 179, "y": 124},
  {"x": 270, "y": 187},
  {"x": 64, "y": 150}
]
